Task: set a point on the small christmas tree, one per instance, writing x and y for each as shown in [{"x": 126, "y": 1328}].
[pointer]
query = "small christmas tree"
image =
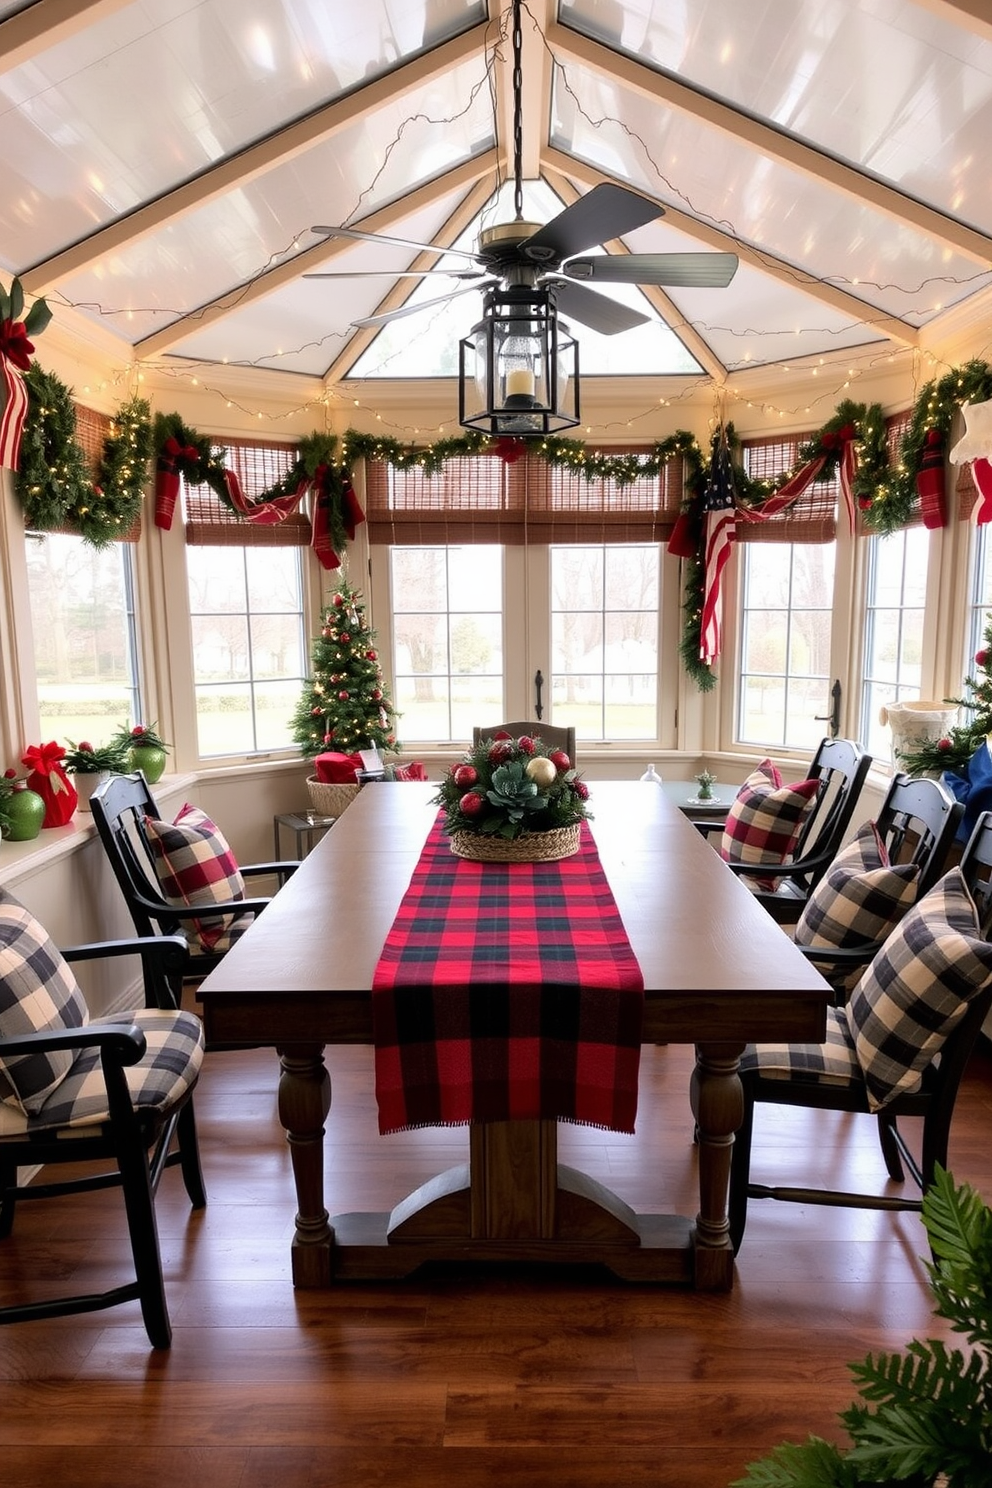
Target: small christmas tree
[
  {"x": 954, "y": 751},
  {"x": 345, "y": 706}
]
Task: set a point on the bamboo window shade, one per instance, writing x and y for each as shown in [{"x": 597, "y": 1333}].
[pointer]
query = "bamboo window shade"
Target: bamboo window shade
[
  {"x": 812, "y": 518},
  {"x": 484, "y": 499},
  {"x": 895, "y": 432},
  {"x": 92, "y": 429},
  {"x": 258, "y": 465}
]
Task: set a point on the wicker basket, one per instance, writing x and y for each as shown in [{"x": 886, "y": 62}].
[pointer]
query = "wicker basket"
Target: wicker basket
[
  {"x": 532, "y": 847},
  {"x": 330, "y": 800}
]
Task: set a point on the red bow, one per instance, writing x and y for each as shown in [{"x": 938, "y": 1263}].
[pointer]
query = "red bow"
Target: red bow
[
  {"x": 509, "y": 450},
  {"x": 172, "y": 450},
  {"x": 14, "y": 344},
  {"x": 838, "y": 438},
  {"x": 43, "y": 757}
]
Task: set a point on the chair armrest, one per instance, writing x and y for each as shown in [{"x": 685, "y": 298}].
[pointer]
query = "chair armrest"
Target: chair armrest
[
  {"x": 159, "y": 909},
  {"x": 284, "y": 870},
  {"x": 843, "y": 956},
  {"x": 169, "y": 951},
  {"x": 124, "y": 1041}
]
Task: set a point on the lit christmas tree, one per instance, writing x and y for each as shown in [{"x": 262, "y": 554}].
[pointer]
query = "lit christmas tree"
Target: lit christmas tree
[
  {"x": 345, "y": 706},
  {"x": 954, "y": 751}
]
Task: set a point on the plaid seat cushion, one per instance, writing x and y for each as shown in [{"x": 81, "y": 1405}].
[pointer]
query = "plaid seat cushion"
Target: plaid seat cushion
[
  {"x": 833, "y": 1062},
  {"x": 860, "y": 897},
  {"x": 765, "y": 820},
  {"x": 38, "y": 993},
  {"x": 196, "y": 866},
  {"x": 917, "y": 988},
  {"x": 166, "y": 1071}
]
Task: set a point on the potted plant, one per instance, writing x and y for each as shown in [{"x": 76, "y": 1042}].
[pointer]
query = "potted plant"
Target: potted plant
[
  {"x": 511, "y": 799},
  {"x": 91, "y": 764},
  {"x": 144, "y": 749},
  {"x": 706, "y": 781},
  {"x": 22, "y": 811},
  {"x": 931, "y": 1425}
]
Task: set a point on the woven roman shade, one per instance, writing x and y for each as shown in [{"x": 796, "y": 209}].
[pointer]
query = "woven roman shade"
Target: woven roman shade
[
  {"x": 484, "y": 499},
  {"x": 812, "y": 517},
  {"x": 92, "y": 429},
  {"x": 895, "y": 432},
  {"x": 258, "y": 466}
]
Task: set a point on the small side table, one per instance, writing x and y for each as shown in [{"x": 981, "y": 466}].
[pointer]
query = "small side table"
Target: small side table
[
  {"x": 682, "y": 793},
  {"x": 307, "y": 828}
]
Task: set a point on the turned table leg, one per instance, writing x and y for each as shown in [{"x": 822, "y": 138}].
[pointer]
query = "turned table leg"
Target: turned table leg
[
  {"x": 304, "y": 1101},
  {"x": 717, "y": 1104}
]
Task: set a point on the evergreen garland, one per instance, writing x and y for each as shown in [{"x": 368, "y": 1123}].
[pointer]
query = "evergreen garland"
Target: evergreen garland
[
  {"x": 345, "y": 704},
  {"x": 197, "y": 461},
  {"x": 52, "y": 480},
  {"x": 115, "y": 501}
]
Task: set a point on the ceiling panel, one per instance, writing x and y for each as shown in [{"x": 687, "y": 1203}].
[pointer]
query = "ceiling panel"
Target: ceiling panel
[{"x": 887, "y": 85}]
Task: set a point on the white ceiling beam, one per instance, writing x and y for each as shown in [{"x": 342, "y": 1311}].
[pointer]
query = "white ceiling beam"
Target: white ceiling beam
[
  {"x": 838, "y": 299},
  {"x": 384, "y": 219},
  {"x": 45, "y": 24},
  {"x": 245, "y": 165},
  {"x": 665, "y": 306},
  {"x": 658, "y": 87}
]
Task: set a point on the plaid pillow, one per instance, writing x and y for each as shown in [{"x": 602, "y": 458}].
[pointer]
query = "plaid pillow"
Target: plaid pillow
[
  {"x": 765, "y": 820},
  {"x": 38, "y": 993},
  {"x": 860, "y": 897},
  {"x": 195, "y": 866},
  {"x": 917, "y": 988}
]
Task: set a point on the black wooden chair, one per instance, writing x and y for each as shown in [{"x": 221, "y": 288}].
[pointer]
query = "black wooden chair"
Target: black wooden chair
[
  {"x": 841, "y": 766},
  {"x": 123, "y": 1101},
  {"x": 916, "y": 823},
  {"x": 120, "y": 807},
  {"x": 552, "y": 737},
  {"x": 794, "y": 1074}
]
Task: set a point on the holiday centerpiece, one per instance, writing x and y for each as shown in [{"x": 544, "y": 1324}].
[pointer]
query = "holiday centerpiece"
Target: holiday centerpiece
[
  {"x": 143, "y": 749},
  {"x": 511, "y": 800}
]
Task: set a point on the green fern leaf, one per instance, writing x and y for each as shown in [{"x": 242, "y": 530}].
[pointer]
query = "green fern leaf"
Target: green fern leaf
[{"x": 813, "y": 1463}]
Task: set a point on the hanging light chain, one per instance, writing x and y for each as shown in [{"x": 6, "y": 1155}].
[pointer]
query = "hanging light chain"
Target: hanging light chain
[{"x": 518, "y": 128}]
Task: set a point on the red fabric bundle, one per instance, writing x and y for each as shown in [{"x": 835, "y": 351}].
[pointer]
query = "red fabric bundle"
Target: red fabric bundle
[
  {"x": 52, "y": 784},
  {"x": 337, "y": 769}
]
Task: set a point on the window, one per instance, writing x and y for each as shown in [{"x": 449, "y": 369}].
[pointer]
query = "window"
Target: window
[
  {"x": 249, "y": 650},
  {"x": 447, "y": 617},
  {"x": 894, "y": 613},
  {"x": 786, "y": 618},
  {"x": 83, "y": 623},
  {"x": 980, "y": 613},
  {"x": 604, "y": 639}
]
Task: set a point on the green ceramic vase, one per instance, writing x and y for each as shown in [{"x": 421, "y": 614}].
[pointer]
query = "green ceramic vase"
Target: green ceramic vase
[
  {"x": 150, "y": 759},
  {"x": 26, "y": 810}
]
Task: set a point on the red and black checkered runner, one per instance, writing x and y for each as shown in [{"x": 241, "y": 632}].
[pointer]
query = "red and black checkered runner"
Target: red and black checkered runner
[{"x": 507, "y": 992}]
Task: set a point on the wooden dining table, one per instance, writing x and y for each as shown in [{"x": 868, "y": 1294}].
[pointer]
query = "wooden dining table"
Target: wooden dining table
[{"x": 718, "y": 973}]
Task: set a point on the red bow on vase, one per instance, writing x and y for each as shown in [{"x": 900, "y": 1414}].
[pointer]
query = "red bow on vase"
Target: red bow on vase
[{"x": 52, "y": 784}]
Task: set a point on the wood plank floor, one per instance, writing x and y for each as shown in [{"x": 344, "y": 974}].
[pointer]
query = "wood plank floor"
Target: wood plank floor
[{"x": 540, "y": 1377}]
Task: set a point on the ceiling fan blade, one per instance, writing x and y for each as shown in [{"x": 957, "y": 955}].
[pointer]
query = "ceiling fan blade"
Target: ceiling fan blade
[
  {"x": 605, "y": 212},
  {"x": 595, "y": 310},
  {"x": 388, "y": 315},
  {"x": 682, "y": 270},
  {"x": 434, "y": 273},
  {"x": 367, "y": 237}
]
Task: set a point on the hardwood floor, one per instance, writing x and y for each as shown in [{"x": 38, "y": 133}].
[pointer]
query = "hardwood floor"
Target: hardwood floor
[{"x": 456, "y": 1379}]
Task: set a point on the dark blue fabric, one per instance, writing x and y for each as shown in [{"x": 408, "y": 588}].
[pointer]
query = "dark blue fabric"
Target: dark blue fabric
[{"x": 974, "y": 789}]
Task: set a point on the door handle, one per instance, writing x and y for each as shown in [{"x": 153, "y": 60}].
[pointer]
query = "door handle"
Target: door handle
[
  {"x": 833, "y": 717},
  {"x": 538, "y": 684}
]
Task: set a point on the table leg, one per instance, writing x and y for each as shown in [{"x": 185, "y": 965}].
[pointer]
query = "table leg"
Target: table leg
[
  {"x": 304, "y": 1101},
  {"x": 718, "y": 1106}
]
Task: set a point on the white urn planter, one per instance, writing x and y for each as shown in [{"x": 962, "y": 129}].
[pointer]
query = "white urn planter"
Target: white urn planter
[
  {"x": 86, "y": 784},
  {"x": 915, "y": 723}
]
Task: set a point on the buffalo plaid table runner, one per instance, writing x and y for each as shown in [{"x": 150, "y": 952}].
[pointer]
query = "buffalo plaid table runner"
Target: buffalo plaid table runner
[{"x": 507, "y": 991}]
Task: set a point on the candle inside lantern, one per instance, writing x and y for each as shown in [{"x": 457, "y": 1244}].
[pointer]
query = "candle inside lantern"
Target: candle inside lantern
[{"x": 520, "y": 381}]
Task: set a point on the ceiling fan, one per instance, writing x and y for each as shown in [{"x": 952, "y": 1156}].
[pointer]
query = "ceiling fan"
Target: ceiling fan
[{"x": 527, "y": 255}]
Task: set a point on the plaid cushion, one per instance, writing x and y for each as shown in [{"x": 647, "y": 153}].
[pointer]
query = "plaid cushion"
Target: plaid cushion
[
  {"x": 195, "y": 866},
  {"x": 765, "y": 819},
  {"x": 831, "y": 1063},
  {"x": 38, "y": 993},
  {"x": 860, "y": 897},
  {"x": 168, "y": 1068},
  {"x": 917, "y": 988}
]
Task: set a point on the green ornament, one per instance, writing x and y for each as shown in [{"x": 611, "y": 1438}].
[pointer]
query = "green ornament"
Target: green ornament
[{"x": 25, "y": 811}]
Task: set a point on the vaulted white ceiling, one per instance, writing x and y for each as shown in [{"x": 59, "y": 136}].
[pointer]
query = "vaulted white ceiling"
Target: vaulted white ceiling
[{"x": 162, "y": 163}]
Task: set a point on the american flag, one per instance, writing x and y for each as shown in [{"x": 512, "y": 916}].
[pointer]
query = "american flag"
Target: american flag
[{"x": 719, "y": 532}]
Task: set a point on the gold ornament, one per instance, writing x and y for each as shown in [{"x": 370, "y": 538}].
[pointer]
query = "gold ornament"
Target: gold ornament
[{"x": 541, "y": 770}]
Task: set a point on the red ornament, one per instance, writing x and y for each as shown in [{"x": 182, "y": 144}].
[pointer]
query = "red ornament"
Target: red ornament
[
  {"x": 328, "y": 736},
  {"x": 86, "y": 745},
  {"x": 316, "y": 712},
  {"x": 471, "y": 804},
  {"x": 943, "y": 744},
  {"x": 372, "y": 656},
  {"x": 464, "y": 776},
  {"x": 500, "y": 750},
  {"x": 376, "y": 694},
  {"x": 343, "y": 696},
  {"x": 502, "y": 734},
  {"x": 338, "y": 601},
  {"x": 525, "y": 744},
  {"x": 10, "y": 774},
  {"x": 981, "y": 658},
  {"x": 327, "y": 632},
  {"x": 560, "y": 760},
  {"x": 581, "y": 789},
  {"x": 344, "y": 638}
]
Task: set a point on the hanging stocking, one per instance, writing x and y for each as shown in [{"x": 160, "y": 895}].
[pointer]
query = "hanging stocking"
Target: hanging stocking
[
  {"x": 930, "y": 480},
  {"x": 981, "y": 474},
  {"x": 683, "y": 543},
  {"x": 353, "y": 513},
  {"x": 167, "y": 479},
  {"x": 321, "y": 542}
]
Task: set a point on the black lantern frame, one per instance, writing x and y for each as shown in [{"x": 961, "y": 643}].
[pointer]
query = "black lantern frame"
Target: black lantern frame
[{"x": 518, "y": 369}]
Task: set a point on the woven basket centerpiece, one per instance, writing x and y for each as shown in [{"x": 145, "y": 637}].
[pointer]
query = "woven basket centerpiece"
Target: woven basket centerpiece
[
  {"x": 512, "y": 801},
  {"x": 330, "y": 800}
]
